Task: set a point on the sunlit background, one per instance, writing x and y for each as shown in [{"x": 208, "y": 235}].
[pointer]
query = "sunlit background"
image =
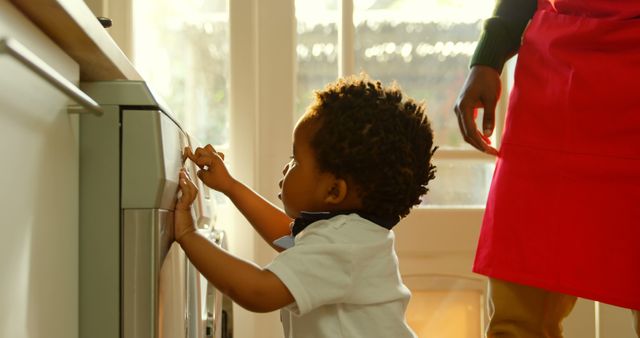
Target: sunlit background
[
  {"x": 423, "y": 45},
  {"x": 181, "y": 48}
]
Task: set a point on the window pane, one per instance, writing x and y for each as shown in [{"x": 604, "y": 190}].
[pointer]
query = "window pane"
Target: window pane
[
  {"x": 425, "y": 46},
  {"x": 459, "y": 183},
  {"x": 181, "y": 48},
  {"x": 317, "y": 48}
]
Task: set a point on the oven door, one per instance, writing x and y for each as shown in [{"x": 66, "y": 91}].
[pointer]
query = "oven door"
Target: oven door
[
  {"x": 160, "y": 290},
  {"x": 175, "y": 306}
]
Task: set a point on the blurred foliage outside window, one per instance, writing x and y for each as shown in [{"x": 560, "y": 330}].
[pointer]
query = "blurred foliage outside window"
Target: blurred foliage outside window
[
  {"x": 424, "y": 46},
  {"x": 181, "y": 49}
]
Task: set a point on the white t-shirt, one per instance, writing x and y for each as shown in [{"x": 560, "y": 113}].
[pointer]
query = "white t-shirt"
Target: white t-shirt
[{"x": 343, "y": 274}]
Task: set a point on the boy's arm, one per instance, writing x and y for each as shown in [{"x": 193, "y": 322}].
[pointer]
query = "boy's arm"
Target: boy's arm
[
  {"x": 248, "y": 285},
  {"x": 267, "y": 219}
]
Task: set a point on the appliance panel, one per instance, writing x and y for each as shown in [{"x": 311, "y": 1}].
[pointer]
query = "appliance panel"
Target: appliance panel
[
  {"x": 194, "y": 302},
  {"x": 152, "y": 146},
  {"x": 173, "y": 302},
  {"x": 134, "y": 281},
  {"x": 147, "y": 237},
  {"x": 99, "y": 226}
]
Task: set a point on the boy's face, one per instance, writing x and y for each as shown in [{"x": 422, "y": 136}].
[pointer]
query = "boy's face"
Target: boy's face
[{"x": 304, "y": 187}]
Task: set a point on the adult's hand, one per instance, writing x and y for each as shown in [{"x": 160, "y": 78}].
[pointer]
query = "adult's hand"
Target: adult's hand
[{"x": 481, "y": 90}]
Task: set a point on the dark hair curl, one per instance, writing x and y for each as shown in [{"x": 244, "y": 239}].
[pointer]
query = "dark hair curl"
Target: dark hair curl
[{"x": 374, "y": 139}]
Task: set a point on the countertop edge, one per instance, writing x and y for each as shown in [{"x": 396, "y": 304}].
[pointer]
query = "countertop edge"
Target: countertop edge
[{"x": 73, "y": 26}]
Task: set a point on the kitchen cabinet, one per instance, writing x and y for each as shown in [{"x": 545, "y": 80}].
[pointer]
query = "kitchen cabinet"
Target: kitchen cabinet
[{"x": 39, "y": 180}]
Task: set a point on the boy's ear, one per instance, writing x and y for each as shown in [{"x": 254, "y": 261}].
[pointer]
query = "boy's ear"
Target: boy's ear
[{"x": 337, "y": 191}]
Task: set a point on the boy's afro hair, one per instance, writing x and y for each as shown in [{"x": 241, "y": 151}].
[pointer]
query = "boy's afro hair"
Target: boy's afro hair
[{"x": 375, "y": 140}]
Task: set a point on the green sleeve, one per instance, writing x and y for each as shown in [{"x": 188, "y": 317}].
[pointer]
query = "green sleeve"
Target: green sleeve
[{"x": 502, "y": 33}]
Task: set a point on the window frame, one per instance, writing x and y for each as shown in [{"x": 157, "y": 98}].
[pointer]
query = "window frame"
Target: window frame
[{"x": 346, "y": 66}]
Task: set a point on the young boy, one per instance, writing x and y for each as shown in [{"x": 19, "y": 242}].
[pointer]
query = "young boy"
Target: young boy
[{"x": 361, "y": 160}]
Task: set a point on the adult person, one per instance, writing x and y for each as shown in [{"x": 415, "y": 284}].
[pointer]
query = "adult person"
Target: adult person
[{"x": 563, "y": 213}]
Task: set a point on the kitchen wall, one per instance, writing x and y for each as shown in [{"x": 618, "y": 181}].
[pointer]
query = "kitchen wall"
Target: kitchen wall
[{"x": 39, "y": 200}]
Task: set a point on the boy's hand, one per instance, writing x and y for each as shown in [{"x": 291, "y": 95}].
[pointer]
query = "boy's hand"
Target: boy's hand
[
  {"x": 213, "y": 172},
  {"x": 183, "y": 219}
]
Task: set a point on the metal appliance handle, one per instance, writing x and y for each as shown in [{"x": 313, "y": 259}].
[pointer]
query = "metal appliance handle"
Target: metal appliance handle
[{"x": 15, "y": 49}]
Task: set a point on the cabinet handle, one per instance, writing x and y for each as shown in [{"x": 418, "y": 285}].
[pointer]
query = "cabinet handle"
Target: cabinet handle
[{"x": 34, "y": 63}]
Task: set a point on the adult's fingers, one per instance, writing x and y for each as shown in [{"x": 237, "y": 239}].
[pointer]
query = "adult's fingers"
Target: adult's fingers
[
  {"x": 469, "y": 129},
  {"x": 472, "y": 133},
  {"x": 466, "y": 123},
  {"x": 477, "y": 139},
  {"x": 488, "y": 117},
  {"x": 463, "y": 129}
]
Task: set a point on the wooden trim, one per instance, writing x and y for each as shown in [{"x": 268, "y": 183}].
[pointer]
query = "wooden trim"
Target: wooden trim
[{"x": 74, "y": 28}]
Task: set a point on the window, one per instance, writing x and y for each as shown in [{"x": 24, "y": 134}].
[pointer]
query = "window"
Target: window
[
  {"x": 317, "y": 49},
  {"x": 181, "y": 48},
  {"x": 423, "y": 45}
]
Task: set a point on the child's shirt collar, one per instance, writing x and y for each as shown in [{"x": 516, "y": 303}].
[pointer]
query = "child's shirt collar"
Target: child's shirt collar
[{"x": 306, "y": 218}]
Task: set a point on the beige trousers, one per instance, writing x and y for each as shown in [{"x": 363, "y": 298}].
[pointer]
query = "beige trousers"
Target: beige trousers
[{"x": 518, "y": 311}]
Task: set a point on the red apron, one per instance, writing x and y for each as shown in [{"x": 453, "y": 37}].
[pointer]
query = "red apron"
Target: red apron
[{"x": 563, "y": 212}]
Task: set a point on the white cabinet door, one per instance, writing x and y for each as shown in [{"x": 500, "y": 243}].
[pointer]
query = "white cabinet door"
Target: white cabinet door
[{"x": 39, "y": 200}]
